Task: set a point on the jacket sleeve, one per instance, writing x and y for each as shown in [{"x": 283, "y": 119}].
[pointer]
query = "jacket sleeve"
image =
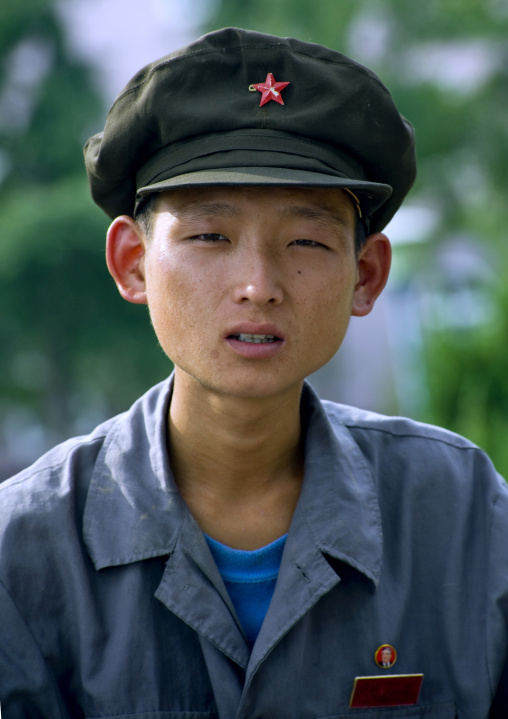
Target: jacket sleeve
[
  {"x": 28, "y": 689},
  {"x": 497, "y": 611}
]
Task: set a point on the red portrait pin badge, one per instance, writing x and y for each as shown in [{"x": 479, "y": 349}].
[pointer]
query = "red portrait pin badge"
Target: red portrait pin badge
[
  {"x": 385, "y": 656},
  {"x": 270, "y": 89}
]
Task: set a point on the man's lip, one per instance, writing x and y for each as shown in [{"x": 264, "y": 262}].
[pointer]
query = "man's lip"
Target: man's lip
[{"x": 250, "y": 328}]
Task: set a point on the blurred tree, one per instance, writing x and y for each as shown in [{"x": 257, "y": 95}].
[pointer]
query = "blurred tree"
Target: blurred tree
[
  {"x": 469, "y": 382},
  {"x": 72, "y": 352}
]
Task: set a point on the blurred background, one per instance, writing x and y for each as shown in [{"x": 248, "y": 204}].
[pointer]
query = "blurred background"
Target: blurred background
[{"x": 72, "y": 353}]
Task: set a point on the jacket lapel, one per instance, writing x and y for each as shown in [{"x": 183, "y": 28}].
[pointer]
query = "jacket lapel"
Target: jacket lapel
[
  {"x": 134, "y": 511},
  {"x": 192, "y": 588}
]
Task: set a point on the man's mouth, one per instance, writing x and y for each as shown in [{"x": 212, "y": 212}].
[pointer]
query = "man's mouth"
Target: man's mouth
[{"x": 256, "y": 339}]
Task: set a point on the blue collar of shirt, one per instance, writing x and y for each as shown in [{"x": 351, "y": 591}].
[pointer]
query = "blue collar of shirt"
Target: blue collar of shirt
[{"x": 134, "y": 510}]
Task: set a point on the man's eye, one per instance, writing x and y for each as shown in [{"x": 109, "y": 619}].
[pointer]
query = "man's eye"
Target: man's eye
[
  {"x": 210, "y": 237},
  {"x": 308, "y": 243}
]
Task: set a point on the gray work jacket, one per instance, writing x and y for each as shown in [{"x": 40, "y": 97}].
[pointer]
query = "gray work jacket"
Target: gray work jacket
[{"x": 111, "y": 604}]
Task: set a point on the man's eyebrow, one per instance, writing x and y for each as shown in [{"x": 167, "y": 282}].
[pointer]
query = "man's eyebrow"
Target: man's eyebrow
[
  {"x": 323, "y": 215},
  {"x": 201, "y": 210}
]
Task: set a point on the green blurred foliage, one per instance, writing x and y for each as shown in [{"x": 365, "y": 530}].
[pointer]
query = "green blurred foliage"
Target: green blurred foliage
[
  {"x": 468, "y": 382},
  {"x": 71, "y": 348}
]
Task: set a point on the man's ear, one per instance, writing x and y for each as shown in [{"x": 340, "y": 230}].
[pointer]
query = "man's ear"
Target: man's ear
[
  {"x": 125, "y": 256},
  {"x": 374, "y": 263}
]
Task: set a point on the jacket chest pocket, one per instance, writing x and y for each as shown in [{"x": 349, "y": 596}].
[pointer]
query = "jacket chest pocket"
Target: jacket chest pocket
[{"x": 429, "y": 711}]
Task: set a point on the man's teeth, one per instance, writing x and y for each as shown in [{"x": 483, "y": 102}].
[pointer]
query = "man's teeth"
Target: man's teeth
[{"x": 257, "y": 339}]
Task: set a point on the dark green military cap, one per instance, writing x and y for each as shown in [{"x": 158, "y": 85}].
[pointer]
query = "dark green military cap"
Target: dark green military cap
[{"x": 242, "y": 108}]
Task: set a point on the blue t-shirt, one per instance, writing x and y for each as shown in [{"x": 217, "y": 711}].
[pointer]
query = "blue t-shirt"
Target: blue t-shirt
[{"x": 250, "y": 578}]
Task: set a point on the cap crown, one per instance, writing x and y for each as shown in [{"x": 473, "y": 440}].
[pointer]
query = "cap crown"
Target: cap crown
[{"x": 196, "y": 111}]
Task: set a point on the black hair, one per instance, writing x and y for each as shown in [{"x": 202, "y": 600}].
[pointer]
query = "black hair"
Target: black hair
[
  {"x": 360, "y": 234},
  {"x": 145, "y": 212}
]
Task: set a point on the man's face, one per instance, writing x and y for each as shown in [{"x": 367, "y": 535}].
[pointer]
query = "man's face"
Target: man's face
[
  {"x": 251, "y": 289},
  {"x": 386, "y": 655}
]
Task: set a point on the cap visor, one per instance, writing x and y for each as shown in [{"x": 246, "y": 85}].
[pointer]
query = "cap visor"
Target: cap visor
[{"x": 375, "y": 193}]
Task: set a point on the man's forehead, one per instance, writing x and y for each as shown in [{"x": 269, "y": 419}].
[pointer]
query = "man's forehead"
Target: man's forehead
[{"x": 298, "y": 202}]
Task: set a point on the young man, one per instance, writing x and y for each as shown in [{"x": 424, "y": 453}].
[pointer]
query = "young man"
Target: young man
[{"x": 232, "y": 546}]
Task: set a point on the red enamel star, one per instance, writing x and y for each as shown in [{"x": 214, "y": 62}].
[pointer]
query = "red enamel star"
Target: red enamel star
[{"x": 270, "y": 90}]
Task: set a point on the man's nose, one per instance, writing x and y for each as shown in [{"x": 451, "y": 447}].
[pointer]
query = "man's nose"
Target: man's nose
[{"x": 258, "y": 280}]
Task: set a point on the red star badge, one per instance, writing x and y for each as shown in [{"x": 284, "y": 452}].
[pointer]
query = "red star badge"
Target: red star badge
[{"x": 270, "y": 90}]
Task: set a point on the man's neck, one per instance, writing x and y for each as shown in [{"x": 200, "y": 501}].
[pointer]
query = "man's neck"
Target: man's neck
[{"x": 238, "y": 462}]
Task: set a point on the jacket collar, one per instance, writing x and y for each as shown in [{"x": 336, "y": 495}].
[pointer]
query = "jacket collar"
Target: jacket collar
[
  {"x": 134, "y": 510},
  {"x": 339, "y": 500}
]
